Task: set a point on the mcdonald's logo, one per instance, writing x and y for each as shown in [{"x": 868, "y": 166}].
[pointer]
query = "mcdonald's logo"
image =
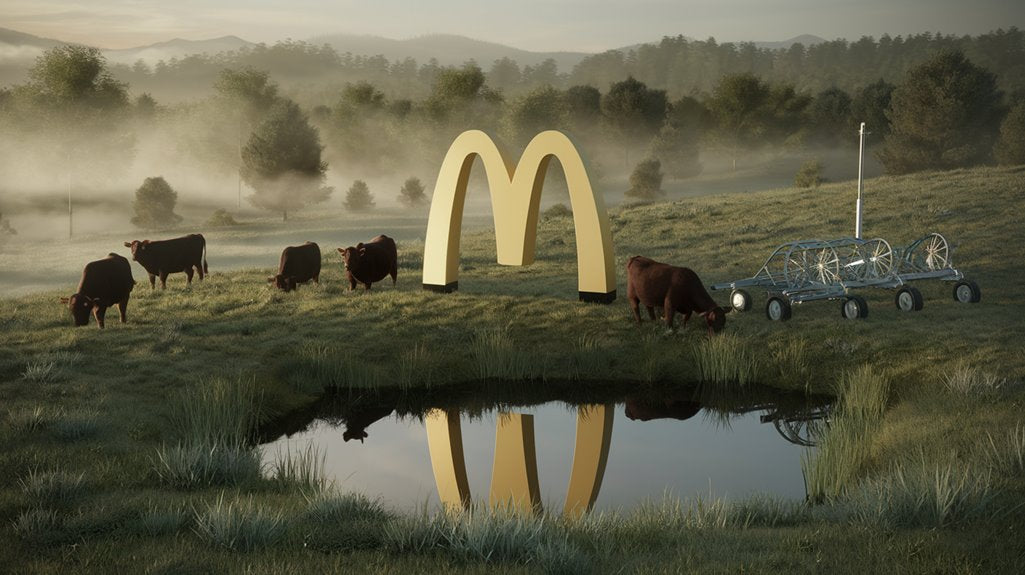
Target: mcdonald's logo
[
  {"x": 515, "y": 200},
  {"x": 514, "y": 481}
]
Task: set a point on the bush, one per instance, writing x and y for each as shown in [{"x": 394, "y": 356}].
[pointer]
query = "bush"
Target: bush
[
  {"x": 5, "y": 228},
  {"x": 557, "y": 211},
  {"x": 412, "y": 193},
  {"x": 154, "y": 204},
  {"x": 646, "y": 180},
  {"x": 221, "y": 219},
  {"x": 359, "y": 198},
  {"x": 1010, "y": 148},
  {"x": 810, "y": 175}
]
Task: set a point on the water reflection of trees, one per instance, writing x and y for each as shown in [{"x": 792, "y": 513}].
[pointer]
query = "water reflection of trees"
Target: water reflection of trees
[{"x": 796, "y": 416}]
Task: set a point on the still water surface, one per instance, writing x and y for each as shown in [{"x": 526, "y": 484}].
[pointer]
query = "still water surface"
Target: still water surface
[{"x": 684, "y": 448}]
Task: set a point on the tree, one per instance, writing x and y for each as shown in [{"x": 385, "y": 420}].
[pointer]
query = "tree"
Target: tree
[
  {"x": 830, "y": 117},
  {"x": 154, "y": 204},
  {"x": 504, "y": 74},
  {"x": 1010, "y": 147},
  {"x": 539, "y": 110},
  {"x": 282, "y": 161},
  {"x": 870, "y": 104},
  {"x": 248, "y": 90},
  {"x": 739, "y": 105},
  {"x": 359, "y": 198},
  {"x": 633, "y": 112},
  {"x": 677, "y": 143},
  {"x": 412, "y": 193},
  {"x": 583, "y": 107},
  {"x": 6, "y": 231},
  {"x": 646, "y": 180},
  {"x": 945, "y": 115}
]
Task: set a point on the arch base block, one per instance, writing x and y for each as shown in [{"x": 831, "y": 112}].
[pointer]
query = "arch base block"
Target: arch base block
[
  {"x": 446, "y": 288},
  {"x": 598, "y": 297}
]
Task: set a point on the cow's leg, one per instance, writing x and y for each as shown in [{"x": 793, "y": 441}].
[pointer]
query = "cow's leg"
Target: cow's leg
[
  {"x": 669, "y": 309},
  {"x": 99, "y": 311},
  {"x": 352, "y": 284},
  {"x": 367, "y": 285},
  {"x": 163, "y": 279},
  {"x": 188, "y": 275},
  {"x": 635, "y": 307},
  {"x": 122, "y": 309},
  {"x": 394, "y": 272},
  {"x": 199, "y": 268},
  {"x": 316, "y": 279},
  {"x": 686, "y": 318},
  {"x": 152, "y": 281}
]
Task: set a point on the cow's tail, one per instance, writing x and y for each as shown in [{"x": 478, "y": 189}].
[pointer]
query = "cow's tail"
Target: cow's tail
[{"x": 206, "y": 268}]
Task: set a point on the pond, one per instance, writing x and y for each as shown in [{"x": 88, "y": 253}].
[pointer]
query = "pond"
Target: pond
[{"x": 610, "y": 449}]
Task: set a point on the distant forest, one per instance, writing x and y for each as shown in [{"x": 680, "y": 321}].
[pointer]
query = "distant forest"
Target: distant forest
[{"x": 677, "y": 65}]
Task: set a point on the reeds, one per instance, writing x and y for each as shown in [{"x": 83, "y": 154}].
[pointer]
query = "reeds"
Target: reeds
[
  {"x": 968, "y": 380},
  {"x": 496, "y": 356},
  {"x": 191, "y": 466},
  {"x": 302, "y": 469},
  {"x": 1008, "y": 456}
]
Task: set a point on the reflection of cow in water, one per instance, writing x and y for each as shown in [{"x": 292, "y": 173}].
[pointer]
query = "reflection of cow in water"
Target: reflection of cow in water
[
  {"x": 357, "y": 421},
  {"x": 664, "y": 408}
]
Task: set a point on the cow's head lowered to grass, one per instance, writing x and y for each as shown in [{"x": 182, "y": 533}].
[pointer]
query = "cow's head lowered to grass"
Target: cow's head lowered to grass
[{"x": 81, "y": 306}]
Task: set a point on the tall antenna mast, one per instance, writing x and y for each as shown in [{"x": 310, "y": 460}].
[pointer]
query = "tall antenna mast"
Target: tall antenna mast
[{"x": 861, "y": 163}]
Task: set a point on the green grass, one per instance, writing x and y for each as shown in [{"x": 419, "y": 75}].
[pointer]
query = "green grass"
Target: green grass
[{"x": 118, "y": 443}]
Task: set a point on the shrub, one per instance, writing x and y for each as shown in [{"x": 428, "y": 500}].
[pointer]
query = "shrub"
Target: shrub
[
  {"x": 221, "y": 219},
  {"x": 412, "y": 193},
  {"x": 5, "y": 229},
  {"x": 557, "y": 211},
  {"x": 359, "y": 198},
  {"x": 809, "y": 175},
  {"x": 646, "y": 180},
  {"x": 1010, "y": 147},
  {"x": 154, "y": 204}
]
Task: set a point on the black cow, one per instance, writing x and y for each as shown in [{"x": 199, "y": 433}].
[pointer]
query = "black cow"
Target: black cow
[
  {"x": 371, "y": 262},
  {"x": 104, "y": 283},
  {"x": 164, "y": 257},
  {"x": 299, "y": 264}
]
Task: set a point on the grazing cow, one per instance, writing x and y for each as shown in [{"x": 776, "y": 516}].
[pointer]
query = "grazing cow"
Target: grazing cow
[
  {"x": 357, "y": 422},
  {"x": 371, "y": 262},
  {"x": 104, "y": 283},
  {"x": 299, "y": 265},
  {"x": 165, "y": 257},
  {"x": 668, "y": 408},
  {"x": 675, "y": 289}
]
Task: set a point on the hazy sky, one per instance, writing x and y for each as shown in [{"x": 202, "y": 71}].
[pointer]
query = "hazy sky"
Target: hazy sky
[{"x": 548, "y": 25}]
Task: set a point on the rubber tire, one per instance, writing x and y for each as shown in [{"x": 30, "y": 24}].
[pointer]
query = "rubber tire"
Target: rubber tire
[
  {"x": 861, "y": 307},
  {"x": 974, "y": 292},
  {"x": 778, "y": 306},
  {"x": 913, "y": 301},
  {"x": 745, "y": 297}
]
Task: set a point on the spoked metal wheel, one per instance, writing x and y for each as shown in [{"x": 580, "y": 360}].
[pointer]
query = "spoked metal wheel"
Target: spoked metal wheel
[
  {"x": 778, "y": 309},
  {"x": 878, "y": 259},
  {"x": 929, "y": 253},
  {"x": 826, "y": 265},
  {"x": 854, "y": 307},
  {"x": 740, "y": 300},
  {"x": 908, "y": 298},
  {"x": 967, "y": 291}
]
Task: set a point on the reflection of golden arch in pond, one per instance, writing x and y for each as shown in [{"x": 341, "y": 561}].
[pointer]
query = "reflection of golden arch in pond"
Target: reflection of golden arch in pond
[
  {"x": 515, "y": 201},
  {"x": 514, "y": 473}
]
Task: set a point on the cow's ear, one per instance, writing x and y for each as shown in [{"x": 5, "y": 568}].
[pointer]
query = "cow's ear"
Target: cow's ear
[
  {"x": 341, "y": 250},
  {"x": 359, "y": 246},
  {"x": 128, "y": 244},
  {"x": 65, "y": 300},
  {"x": 270, "y": 280}
]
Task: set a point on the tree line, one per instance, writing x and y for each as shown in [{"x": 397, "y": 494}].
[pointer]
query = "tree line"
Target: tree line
[{"x": 947, "y": 112}]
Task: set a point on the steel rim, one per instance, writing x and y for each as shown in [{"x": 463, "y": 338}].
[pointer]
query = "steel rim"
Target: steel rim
[
  {"x": 851, "y": 309},
  {"x": 775, "y": 310},
  {"x": 964, "y": 293},
  {"x": 905, "y": 301},
  {"x": 936, "y": 253},
  {"x": 739, "y": 300}
]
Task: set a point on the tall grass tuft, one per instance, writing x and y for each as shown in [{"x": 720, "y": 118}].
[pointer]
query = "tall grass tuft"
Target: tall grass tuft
[
  {"x": 968, "y": 380},
  {"x": 191, "y": 466},
  {"x": 589, "y": 360},
  {"x": 497, "y": 356},
  {"x": 302, "y": 470},
  {"x": 50, "y": 488},
  {"x": 790, "y": 357},
  {"x": 28, "y": 420},
  {"x": 50, "y": 367},
  {"x": 220, "y": 412},
  {"x": 725, "y": 359},
  {"x": 77, "y": 426},
  {"x": 832, "y": 468},
  {"x": 1008, "y": 457},
  {"x": 238, "y": 526},
  {"x": 156, "y": 521},
  {"x": 415, "y": 370},
  {"x": 922, "y": 496},
  {"x": 38, "y": 525},
  {"x": 330, "y": 507}
]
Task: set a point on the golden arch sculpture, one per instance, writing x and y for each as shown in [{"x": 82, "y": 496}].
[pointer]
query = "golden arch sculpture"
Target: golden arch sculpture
[
  {"x": 515, "y": 200},
  {"x": 514, "y": 481}
]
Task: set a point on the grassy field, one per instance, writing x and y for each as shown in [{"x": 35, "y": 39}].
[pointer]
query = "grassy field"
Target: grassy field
[{"x": 129, "y": 447}]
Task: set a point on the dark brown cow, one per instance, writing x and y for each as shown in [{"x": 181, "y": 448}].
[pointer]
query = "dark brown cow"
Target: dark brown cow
[
  {"x": 675, "y": 289},
  {"x": 299, "y": 265},
  {"x": 668, "y": 408},
  {"x": 164, "y": 257},
  {"x": 371, "y": 262},
  {"x": 104, "y": 283}
]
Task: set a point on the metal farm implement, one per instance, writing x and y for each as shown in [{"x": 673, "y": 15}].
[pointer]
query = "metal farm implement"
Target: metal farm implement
[{"x": 810, "y": 270}]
